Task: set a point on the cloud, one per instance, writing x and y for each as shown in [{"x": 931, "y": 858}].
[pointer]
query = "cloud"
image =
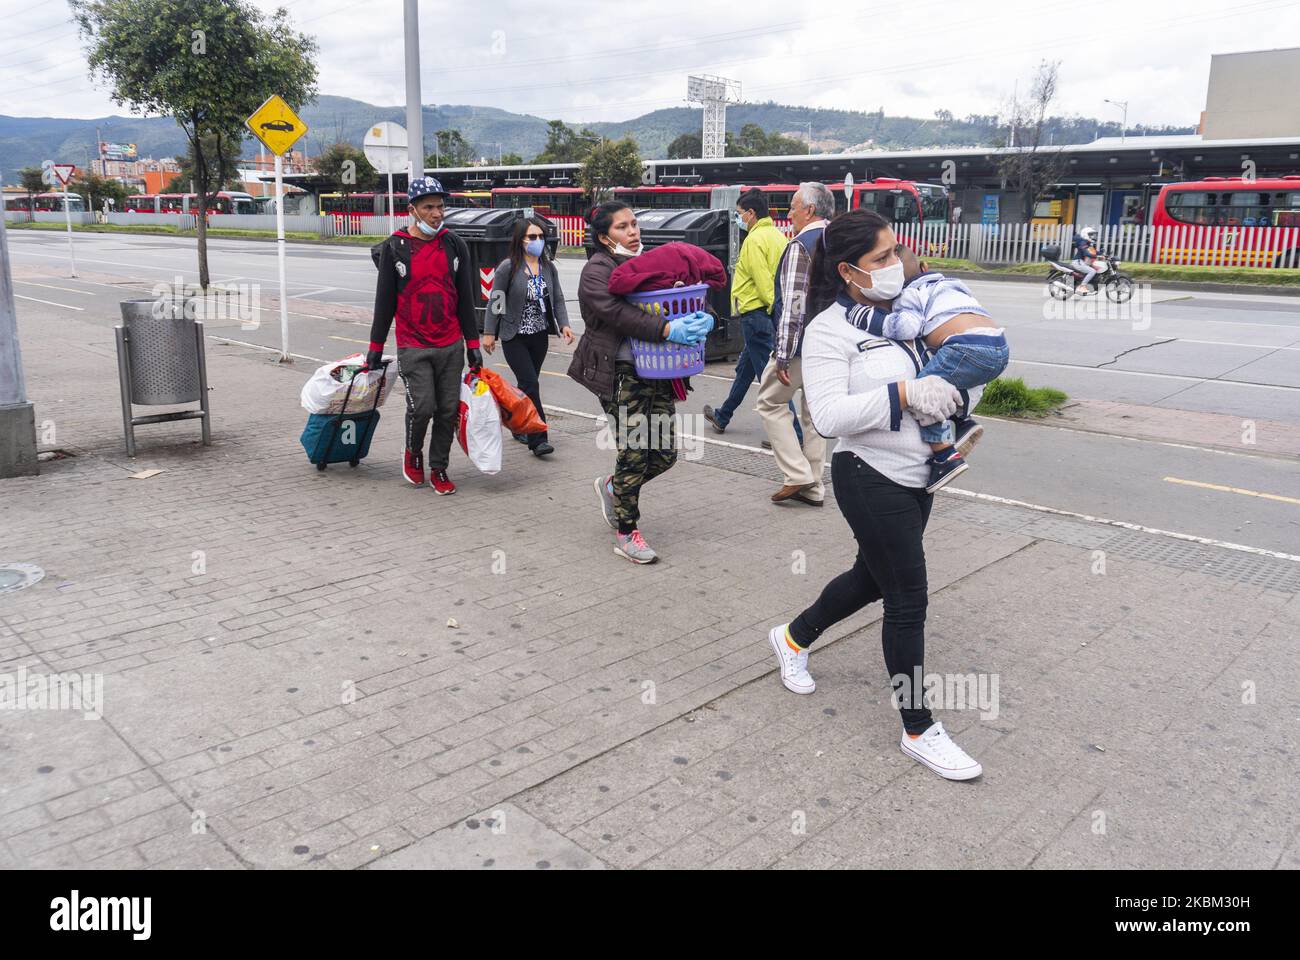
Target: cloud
[{"x": 588, "y": 60}]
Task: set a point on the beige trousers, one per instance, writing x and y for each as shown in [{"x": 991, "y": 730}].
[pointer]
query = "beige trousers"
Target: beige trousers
[{"x": 799, "y": 465}]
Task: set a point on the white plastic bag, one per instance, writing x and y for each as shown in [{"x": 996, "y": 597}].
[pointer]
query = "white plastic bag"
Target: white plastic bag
[
  {"x": 326, "y": 389},
  {"x": 479, "y": 425}
]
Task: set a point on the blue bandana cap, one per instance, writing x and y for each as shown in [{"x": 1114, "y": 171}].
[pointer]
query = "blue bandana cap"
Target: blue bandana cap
[{"x": 423, "y": 187}]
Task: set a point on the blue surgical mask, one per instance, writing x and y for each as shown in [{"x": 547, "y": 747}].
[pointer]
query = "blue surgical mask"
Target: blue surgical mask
[
  {"x": 740, "y": 222},
  {"x": 534, "y": 247},
  {"x": 425, "y": 229}
]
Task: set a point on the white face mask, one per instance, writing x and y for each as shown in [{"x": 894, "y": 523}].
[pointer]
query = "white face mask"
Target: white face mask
[
  {"x": 886, "y": 283},
  {"x": 622, "y": 251}
]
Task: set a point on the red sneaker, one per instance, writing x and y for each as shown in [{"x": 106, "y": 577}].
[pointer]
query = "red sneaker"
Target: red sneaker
[
  {"x": 442, "y": 484},
  {"x": 413, "y": 467}
]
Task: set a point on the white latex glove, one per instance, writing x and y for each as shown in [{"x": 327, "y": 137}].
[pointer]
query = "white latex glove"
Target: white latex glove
[{"x": 932, "y": 399}]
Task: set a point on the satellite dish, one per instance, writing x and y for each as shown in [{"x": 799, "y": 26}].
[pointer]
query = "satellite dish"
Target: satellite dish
[{"x": 385, "y": 147}]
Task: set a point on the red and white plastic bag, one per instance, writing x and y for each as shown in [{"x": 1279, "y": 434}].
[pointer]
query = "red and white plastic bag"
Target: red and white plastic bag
[{"x": 479, "y": 425}]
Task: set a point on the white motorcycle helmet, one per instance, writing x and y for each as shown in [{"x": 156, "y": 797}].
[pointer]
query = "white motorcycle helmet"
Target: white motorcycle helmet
[{"x": 1089, "y": 234}]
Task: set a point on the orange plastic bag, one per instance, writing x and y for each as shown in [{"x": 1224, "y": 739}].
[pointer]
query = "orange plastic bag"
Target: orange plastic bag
[{"x": 518, "y": 415}]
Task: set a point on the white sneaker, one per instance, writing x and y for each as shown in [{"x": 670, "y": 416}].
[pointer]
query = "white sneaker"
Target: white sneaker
[
  {"x": 794, "y": 666},
  {"x": 935, "y": 749}
]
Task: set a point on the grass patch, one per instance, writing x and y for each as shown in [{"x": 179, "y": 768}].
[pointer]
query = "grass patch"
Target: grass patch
[
  {"x": 950, "y": 263},
  {"x": 1011, "y": 398}
]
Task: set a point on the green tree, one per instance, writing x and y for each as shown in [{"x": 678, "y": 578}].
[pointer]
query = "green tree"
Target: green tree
[
  {"x": 754, "y": 141},
  {"x": 30, "y": 177},
  {"x": 347, "y": 167},
  {"x": 453, "y": 150},
  {"x": 610, "y": 163},
  {"x": 97, "y": 189},
  {"x": 566, "y": 145},
  {"x": 686, "y": 146},
  {"x": 207, "y": 63},
  {"x": 512, "y": 159},
  {"x": 220, "y": 155}
]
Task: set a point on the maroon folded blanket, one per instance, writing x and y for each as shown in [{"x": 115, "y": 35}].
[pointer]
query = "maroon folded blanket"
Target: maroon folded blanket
[{"x": 663, "y": 266}]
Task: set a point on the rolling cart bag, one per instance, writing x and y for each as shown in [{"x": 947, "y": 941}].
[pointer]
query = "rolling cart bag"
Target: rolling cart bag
[{"x": 342, "y": 437}]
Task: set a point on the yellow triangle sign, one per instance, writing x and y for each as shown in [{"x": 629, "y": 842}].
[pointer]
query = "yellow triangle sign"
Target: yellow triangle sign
[{"x": 276, "y": 125}]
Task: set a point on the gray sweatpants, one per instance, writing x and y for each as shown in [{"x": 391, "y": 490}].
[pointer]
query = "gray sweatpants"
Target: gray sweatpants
[{"x": 431, "y": 376}]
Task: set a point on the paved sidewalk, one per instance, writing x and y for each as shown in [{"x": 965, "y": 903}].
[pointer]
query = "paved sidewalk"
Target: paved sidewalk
[{"x": 282, "y": 686}]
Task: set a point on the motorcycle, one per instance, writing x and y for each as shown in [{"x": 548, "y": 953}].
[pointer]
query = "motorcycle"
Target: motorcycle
[{"x": 1063, "y": 280}]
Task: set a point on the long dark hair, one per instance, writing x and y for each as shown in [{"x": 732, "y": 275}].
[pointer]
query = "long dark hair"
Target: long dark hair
[
  {"x": 845, "y": 240},
  {"x": 601, "y": 218},
  {"x": 515, "y": 253}
]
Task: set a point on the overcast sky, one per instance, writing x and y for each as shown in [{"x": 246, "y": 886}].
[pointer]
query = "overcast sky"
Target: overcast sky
[{"x": 584, "y": 60}]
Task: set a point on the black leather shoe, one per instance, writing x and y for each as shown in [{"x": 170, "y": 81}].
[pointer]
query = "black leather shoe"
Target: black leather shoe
[{"x": 542, "y": 449}]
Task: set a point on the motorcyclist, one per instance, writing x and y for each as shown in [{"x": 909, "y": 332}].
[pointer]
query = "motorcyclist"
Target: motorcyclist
[{"x": 1085, "y": 255}]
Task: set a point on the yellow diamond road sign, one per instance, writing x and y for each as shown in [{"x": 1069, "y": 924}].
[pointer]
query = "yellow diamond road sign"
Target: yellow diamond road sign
[{"x": 276, "y": 125}]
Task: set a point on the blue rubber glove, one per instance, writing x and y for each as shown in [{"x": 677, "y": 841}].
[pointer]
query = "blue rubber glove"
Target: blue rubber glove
[
  {"x": 691, "y": 328},
  {"x": 682, "y": 331},
  {"x": 701, "y": 324}
]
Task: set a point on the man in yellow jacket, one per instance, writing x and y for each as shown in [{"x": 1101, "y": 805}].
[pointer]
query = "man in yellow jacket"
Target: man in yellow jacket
[{"x": 753, "y": 289}]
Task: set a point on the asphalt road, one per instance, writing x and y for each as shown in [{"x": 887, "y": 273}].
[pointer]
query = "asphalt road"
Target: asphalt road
[{"x": 1231, "y": 354}]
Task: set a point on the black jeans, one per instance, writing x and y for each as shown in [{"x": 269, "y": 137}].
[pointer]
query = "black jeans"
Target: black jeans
[
  {"x": 525, "y": 353},
  {"x": 888, "y": 521}
]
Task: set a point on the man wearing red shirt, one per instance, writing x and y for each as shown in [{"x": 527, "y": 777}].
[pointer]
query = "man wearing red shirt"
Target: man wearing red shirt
[{"x": 426, "y": 283}]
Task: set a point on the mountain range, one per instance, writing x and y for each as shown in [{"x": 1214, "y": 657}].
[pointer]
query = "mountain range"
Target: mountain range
[{"x": 26, "y": 141}]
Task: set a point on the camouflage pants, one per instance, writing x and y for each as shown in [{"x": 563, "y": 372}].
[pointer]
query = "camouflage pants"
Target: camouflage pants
[{"x": 641, "y": 416}]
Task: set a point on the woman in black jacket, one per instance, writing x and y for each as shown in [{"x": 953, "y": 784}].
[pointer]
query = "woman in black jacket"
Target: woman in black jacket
[{"x": 527, "y": 307}]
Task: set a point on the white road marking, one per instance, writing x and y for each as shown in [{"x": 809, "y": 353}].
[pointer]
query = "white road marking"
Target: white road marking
[
  {"x": 51, "y": 303},
  {"x": 1156, "y": 376},
  {"x": 1191, "y": 538},
  {"x": 48, "y": 286},
  {"x": 1120, "y": 436},
  {"x": 1207, "y": 541}
]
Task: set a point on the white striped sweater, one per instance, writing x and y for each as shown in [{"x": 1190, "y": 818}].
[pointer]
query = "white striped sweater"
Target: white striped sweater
[{"x": 850, "y": 378}]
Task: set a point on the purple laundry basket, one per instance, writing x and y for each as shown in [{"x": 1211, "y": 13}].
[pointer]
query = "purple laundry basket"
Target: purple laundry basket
[{"x": 664, "y": 360}]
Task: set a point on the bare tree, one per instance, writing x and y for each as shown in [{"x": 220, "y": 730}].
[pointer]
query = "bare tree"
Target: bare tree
[{"x": 1031, "y": 165}]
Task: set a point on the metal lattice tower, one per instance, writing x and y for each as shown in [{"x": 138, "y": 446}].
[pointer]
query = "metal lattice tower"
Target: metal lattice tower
[{"x": 715, "y": 93}]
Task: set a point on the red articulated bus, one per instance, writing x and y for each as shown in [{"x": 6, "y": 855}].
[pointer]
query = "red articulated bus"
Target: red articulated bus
[
  {"x": 545, "y": 201},
  {"x": 1228, "y": 221},
  {"x": 666, "y": 198},
  {"x": 566, "y": 207},
  {"x": 46, "y": 202},
  {"x": 223, "y": 202}
]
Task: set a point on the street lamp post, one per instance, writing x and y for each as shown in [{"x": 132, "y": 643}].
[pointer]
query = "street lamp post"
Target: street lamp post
[
  {"x": 414, "y": 107},
  {"x": 1123, "y": 105}
]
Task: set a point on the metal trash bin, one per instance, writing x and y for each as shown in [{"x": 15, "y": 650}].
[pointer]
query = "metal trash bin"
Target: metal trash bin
[
  {"x": 710, "y": 230},
  {"x": 488, "y": 232},
  {"x": 160, "y": 362}
]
